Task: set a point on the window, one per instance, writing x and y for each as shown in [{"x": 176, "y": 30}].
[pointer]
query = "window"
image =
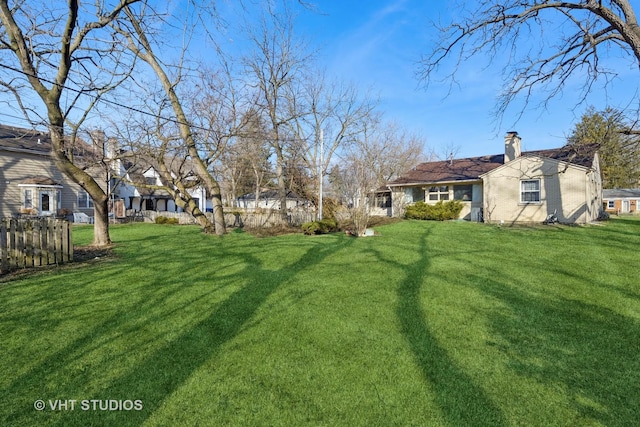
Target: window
[
  {"x": 530, "y": 191},
  {"x": 611, "y": 204},
  {"x": 462, "y": 192},
  {"x": 84, "y": 201},
  {"x": 28, "y": 199},
  {"x": 45, "y": 202},
  {"x": 383, "y": 200},
  {"x": 418, "y": 194},
  {"x": 439, "y": 193}
]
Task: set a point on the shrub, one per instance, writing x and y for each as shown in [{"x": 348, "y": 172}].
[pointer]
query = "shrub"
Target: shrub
[
  {"x": 419, "y": 210},
  {"x": 329, "y": 208},
  {"x": 441, "y": 211},
  {"x": 165, "y": 220},
  {"x": 324, "y": 226}
]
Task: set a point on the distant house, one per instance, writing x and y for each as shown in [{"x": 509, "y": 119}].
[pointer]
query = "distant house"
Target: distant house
[
  {"x": 514, "y": 187},
  {"x": 137, "y": 186},
  {"x": 623, "y": 200},
  {"x": 269, "y": 199},
  {"x": 30, "y": 182}
]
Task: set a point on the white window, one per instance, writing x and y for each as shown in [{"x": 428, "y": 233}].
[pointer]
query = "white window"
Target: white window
[
  {"x": 439, "y": 193},
  {"x": 611, "y": 204},
  {"x": 530, "y": 191},
  {"x": 84, "y": 201},
  {"x": 28, "y": 199}
]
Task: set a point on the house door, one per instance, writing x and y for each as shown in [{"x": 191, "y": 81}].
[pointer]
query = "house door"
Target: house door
[
  {"x": 625, "y": 206},
  {"x": 46, "y": 203}
]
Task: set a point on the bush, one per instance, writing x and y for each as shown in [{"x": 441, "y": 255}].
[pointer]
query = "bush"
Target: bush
[
  {"x": 441, "y": 211},
  {"x": 165, "y": 220},
  {"x": 419, "y": 210},
  {"x": 324, "y": 226}
]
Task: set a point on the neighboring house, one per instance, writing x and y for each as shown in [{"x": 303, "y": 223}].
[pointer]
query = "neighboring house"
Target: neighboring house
[
  {"x": 30, "y": 182},
  {"x": 269, "y": 199},
  {"x": 623, "y": 200},
  {"x": 138, "y": 187},
  {"x": 514, "y": 187}
]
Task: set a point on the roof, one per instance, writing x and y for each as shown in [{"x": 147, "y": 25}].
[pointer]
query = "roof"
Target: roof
[
  {"x": 450, "y": 170},
  {"x": 621, "y": 193},
  {"x": 13, "y": 138},
  {"x": 471, "y": 168},
  {"x": 38, "y": 180},
  {"x": 33, "y": 141}
]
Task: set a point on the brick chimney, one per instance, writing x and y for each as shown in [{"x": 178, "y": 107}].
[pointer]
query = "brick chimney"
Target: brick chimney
[{"x": 512, "y": 146}]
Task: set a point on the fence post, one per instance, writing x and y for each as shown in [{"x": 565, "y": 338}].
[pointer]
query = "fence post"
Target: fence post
[{"x": 4, "y": 258}]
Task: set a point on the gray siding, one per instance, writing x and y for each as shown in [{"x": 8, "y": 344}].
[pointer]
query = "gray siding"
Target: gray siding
[{"x": 17, "y": 166}]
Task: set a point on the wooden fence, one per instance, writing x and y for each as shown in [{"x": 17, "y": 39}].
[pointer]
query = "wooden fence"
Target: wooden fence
[{"x": 34, "y": 242}]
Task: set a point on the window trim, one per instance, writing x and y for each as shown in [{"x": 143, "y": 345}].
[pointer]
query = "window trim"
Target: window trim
[
  {"x": 523, "y": 191},
  {"x": 89, "y": 200},
  {"x": 26, "y": 205},
  {"x": 440, "y": 192},
  {"x": 470, "y": 192}
]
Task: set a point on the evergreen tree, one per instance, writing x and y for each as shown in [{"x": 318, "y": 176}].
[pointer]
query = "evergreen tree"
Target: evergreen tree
[{"x": 619, "y": 152}]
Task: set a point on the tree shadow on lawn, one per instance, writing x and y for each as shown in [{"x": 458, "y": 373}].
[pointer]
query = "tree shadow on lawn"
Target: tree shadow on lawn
[
  {"x": 461, "y": 400},
  {"x": 165, "y": 370},
  {"x": 589, "y": 350}
]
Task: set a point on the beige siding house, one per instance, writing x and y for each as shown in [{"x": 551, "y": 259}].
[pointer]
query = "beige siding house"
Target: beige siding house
[
  {"x": 514, "y": 187},
  {"x": 30, "y": 182}
]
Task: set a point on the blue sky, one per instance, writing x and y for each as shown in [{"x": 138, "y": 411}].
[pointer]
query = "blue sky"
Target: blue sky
[{"x": 377, "y": 43}]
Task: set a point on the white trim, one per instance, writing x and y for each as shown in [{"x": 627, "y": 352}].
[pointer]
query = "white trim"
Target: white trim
[{"x": 40, "y": 186}]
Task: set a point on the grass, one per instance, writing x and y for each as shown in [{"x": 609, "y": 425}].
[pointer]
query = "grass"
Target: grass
[{"x": 442, "y": 324}]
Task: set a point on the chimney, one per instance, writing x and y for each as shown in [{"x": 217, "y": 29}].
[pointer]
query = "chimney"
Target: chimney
[{"x": 512, "y": 146}]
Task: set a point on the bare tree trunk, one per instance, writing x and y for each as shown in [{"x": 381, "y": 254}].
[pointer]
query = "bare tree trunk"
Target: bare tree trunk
[
  {"x": 147, "y": 54},
  {"x": 87, "y": 182}
]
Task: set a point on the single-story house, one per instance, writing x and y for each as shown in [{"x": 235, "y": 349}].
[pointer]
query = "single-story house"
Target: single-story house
[
  {"x": 514, "y": 187},
  {"x": 30, "y": 182},
  {"x": 622, "y": 200}
]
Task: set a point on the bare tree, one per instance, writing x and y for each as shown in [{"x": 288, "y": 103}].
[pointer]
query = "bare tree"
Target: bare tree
[
  {"x": 155, "y": 141},
  {"x": 382, "y": 153},
  {"x": 68, "y": 56},
  {"x": 137, "y": 32},
  {"x": 331, "y": 117},
  {"x": 247, "y": 159},
  {"x": 276, "y": 68},
  {"x": 545, "y": 44}
]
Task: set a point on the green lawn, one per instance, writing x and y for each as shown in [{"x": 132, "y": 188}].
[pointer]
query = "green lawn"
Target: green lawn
[{"x": 452, "y": 324}]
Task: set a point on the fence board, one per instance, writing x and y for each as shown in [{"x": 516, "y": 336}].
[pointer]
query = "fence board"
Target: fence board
[
  {"x": 4, "y": 257},
  {"x": 26, "y": 243}
]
